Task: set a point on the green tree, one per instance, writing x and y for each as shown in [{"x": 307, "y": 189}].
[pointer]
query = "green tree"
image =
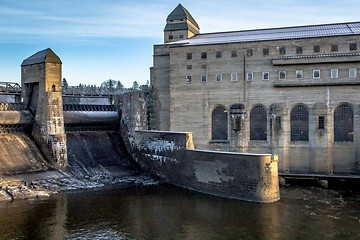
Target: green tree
[
  {"x": 135, "y": 85},
  {"x": 119, "y": 85},
  {"x": 65, "y": 83}
]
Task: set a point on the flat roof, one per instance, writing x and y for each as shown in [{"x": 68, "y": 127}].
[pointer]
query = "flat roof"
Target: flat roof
[{"x": 312, "y": 31}]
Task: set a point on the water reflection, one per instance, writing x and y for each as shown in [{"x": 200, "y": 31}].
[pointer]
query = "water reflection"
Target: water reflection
[{"x": 165, "y": 212}]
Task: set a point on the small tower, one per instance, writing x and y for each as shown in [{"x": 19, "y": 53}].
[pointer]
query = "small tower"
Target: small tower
[
  {"x": 180, "y": 25},
  {"x": 41, "y": 93}
]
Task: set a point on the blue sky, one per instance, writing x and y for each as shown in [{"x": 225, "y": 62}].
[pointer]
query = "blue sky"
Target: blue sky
[{"x": 102, "y": 39}]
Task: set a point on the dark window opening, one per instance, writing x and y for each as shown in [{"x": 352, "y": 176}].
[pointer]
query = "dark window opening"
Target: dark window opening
[
  {"x": 203, "y": 55},
  {"x": 219, "y": 129},
  {"x": 278, "y": 123},
  {"x": 233, "y": 53},
  {"x": 218, "y": 54},
  {"x": 299, "y": 50},
  {"x": 203, "y": 66},
  {"x": 265, "y": 51},
  {"x": 249, "y": 52},
  {"x": 343, "y": 124},
  {"x": 171, "y": 37},
  {"x": 317, "y": 48},
  {"x": 353, "y": 46},
  {"x": 299, "y": 122},
  {"x": 237, "y": 123},
  {"x": 282, "y": 51},
  {"x": 334, "y": 47},
  {"x": 53, "y": 88},
  {"x": 189, "y": 67},
  {"x": 321, "y": 122},
  {"x": 189, "y": 56},
  {"x": 181, "y": 36},
  {"x": 258, "y": 123}
]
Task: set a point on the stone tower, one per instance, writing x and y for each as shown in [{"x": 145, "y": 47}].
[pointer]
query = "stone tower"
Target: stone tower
[
  {"x": 180, "y": 25},
  {"x": 41, "y": 93}
]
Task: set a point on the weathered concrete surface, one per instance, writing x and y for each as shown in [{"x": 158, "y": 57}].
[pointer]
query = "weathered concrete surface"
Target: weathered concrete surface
[
  {"x": 92, "y": 154},
  {"x": 249, "y": 177},
  {"x": 19, "y": 154}
]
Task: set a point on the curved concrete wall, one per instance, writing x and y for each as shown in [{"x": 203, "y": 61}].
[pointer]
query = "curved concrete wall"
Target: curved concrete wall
[
  {"x": 15, "y": 117},
  {"x": 88, "y": 117}
]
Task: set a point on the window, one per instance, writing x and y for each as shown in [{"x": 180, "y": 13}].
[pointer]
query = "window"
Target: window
[
  {"x": 282, "y": 75},
  {"x": 181, "y": 36},
  {"x": 219, "y": 124},
  {"x": 299, "y": 74},
  {"x": 282, "y": 51},
  {"x": 352, "y": 72},
  {"x": 203, "y": 66},
  {"x": 353, "y": 46},
  {"x": 188, "y": 78},
  {"x": 249, "y": 52},
  {"x": 265, "y": 51},
  {"x": 334, "y": 47},
  {"x": 265, "y": 76},
  {"x": 343, "y": 124},
  {"x": 203, "y": 77},
  {"x": 299, "y": 50},
  {"x": 316, "y": 74},
  {"x": 188, "y": 66},
  {"x": 218, "y": 54},
  {"x": 299, "y": 123},
  {"x": 249, "y": 76},
  {"x": 203, "y": 55},
  {"x": 258, "y": 123},
  {"x": 171, "y": 37},
  {"x": 334, "y": 73},
  {"x": 233, "y": 53},
  {"x": 233, "y": 77},
  {"x": 189, "y": 56},
  {"x": 321, "y": 122},
  {"x": 237, "y": 124},
  {"x": 316, "y": 48},
  {"x": 218, "y": 77}
]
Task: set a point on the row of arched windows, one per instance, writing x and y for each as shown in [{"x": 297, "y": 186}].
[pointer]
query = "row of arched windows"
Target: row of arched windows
[{"x": 299, "y": 123}]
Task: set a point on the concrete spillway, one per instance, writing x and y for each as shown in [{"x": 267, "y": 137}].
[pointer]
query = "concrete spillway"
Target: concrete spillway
[{"x": 19, "y": 154}]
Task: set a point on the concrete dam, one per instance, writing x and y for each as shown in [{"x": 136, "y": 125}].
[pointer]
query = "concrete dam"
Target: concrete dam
[{"x": 69, "y": 146}]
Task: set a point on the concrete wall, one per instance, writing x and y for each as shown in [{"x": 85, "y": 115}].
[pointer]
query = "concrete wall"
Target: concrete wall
[
  {"x": 192, "y": 104},
  {"x": 250, "y": 177}
]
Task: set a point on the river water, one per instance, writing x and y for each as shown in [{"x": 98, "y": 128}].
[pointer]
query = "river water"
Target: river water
[{"x": 167, "y": 212}]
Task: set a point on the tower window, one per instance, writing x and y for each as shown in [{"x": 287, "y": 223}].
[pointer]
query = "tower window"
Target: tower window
[
  {"x": 203, "y": 55},
  {"x": 282, "y": 75},
  {"x": 265, "y": 76},
  {"x": 316, "y": 48},
  {"x": 171, "y": 36},
  {"x": 282, "y": 51},
  {"x": 353, "y": 46},
  {"x": 299, "y": 74},
  {"x": 316, "y": 74},
  {"x": 299, "y": 50},
  {"x": 189, "y": 56},
  {"x": 188, "y": 78},
  {"x": 265, "y": 51},
  {"x": 218, "y": 54},
  {"x": 233, "y": 53},
  {"x": 334, "y": 47},
  {"x": 249, "y": 52},
  {"x": 321, "y": 122},
  {"x": 334, "y": 73}
]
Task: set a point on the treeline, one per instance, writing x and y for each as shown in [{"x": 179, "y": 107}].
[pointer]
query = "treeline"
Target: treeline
[{"x": 109, "y": 84}]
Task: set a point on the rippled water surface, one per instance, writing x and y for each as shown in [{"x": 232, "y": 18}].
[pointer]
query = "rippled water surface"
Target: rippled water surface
[{"x": 166, "y": 212}]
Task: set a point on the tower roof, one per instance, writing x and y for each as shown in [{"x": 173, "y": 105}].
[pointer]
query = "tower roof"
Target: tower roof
[
  {"x": 44, "y": 56},
  {"x": 180, "y": 13}
]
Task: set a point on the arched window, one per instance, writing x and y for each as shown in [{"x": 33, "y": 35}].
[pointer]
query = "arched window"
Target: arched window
[
  {"x": 219, "y": 124},
  {"x": 258, "y": 123},
  {"x": 343, "y": 124},
  {"x": 299, "y": 121},
  {"x": 53, "y": 88}
]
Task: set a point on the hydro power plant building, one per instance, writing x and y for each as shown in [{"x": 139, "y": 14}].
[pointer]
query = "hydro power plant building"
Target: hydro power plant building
[{"x": 291, "y": 91}]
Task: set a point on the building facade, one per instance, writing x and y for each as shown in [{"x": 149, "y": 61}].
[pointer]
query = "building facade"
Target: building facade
[{"x": 289, "y": 91}]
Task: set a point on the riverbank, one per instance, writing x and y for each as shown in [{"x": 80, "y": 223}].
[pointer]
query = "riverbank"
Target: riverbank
[{"x": 38, "y": 185}]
